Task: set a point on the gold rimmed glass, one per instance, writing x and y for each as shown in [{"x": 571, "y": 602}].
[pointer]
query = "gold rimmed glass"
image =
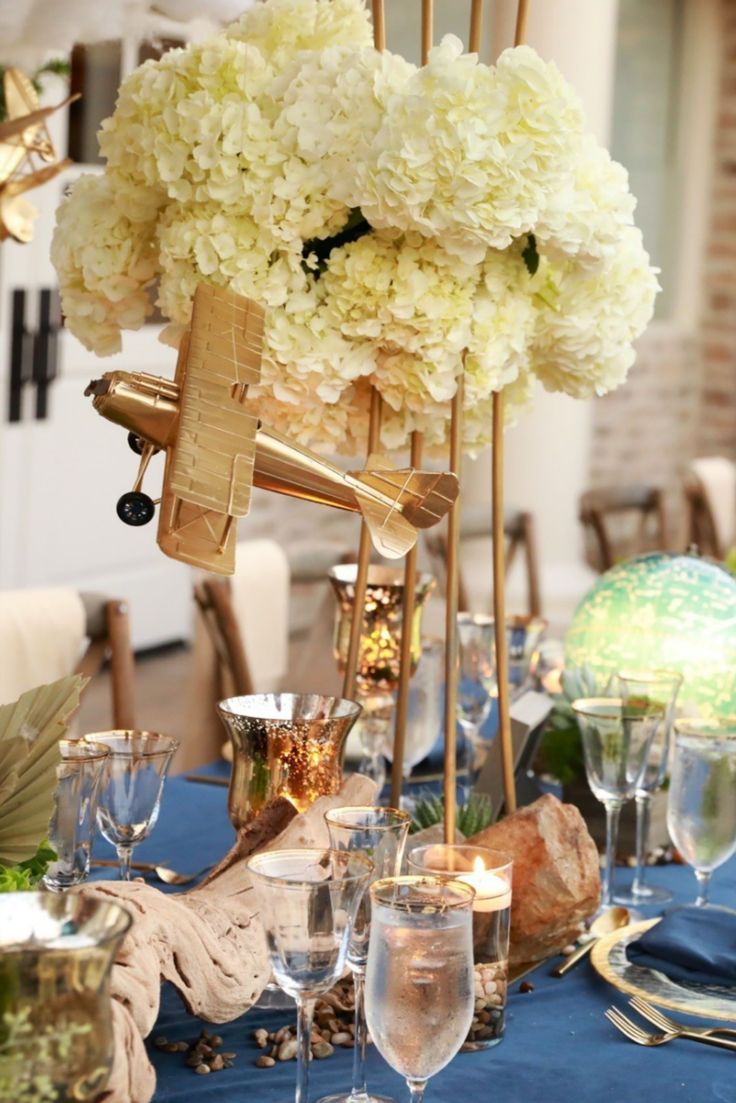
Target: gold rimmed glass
[
  {"x": 419, "y": 976},
  {"x": 129, "y": 801},
  {"x": 307, "y": 901},
  {"x": 80, "y": 775},
  {"x": 639, "y": 688},
  {"x": 701, "y": 806},
  {"x": 616, "y": 739},
  {"x": 380, "y": 834}
]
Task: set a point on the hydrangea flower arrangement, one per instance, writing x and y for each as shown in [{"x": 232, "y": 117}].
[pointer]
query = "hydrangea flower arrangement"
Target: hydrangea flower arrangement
[{"x": 402, "y": 225}]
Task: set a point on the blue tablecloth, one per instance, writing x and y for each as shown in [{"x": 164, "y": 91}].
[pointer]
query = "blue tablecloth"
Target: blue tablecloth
[{"x": 558, "y": 1047}]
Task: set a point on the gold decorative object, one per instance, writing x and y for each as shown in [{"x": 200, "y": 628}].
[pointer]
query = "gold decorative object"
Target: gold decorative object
[
  {"x": 24, "y": 140},
  {"x": 217, "y": 448},
  {"x": 56, "y": 1031},
  {"x": 284, "y": 745}
]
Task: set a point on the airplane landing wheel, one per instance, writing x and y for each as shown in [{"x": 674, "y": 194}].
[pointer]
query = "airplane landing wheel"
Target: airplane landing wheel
[
  {"x": 135, "y": 508},
  {"x": 137, "y": 444}
]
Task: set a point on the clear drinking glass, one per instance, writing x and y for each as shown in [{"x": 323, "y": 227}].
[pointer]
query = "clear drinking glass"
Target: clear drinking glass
[
  {"x": 129, "y": 801},
  {"x": 419, "y": 976},
  {"x": 308, "y": 900},
  {"x": 637, "y": 688},
  {"x": 476, "y": 684},
  {"x": 80, "y": 775},
  {"x": 379, "y": 834},
  {"x": 616, "y": 738},
  {"x": 489, "y": 873},
  {"x": 701, "y": 809},
  {"x": 424, "y": 719}
]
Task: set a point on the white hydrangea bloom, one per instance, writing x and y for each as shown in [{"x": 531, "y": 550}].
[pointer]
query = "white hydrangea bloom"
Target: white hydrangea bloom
[{"x": 280, "y": 29}]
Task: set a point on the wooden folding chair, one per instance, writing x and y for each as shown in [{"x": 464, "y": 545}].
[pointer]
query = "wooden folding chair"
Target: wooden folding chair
[
  {"x": 108, "y": 631},
  {"x": 702, "y": 530},
  {"x": 214, "y": 600},
  {"x": 601, "y": 508}
]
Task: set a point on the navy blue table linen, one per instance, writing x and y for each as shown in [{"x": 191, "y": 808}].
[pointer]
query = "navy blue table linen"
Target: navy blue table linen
[{"x": 697, "y": 945}]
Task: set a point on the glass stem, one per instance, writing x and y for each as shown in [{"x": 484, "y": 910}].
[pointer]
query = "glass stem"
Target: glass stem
[
  {"x": 416, "y": 1090},
  {"x": 305, "y": 1014},
  {"x": 703, "y": 879},
  {"x": 360, "y": 1088},
  {"x": 613, "y": 813},
  {"x": 125, "y": 853},
  {"x": 643, "y": 813}
]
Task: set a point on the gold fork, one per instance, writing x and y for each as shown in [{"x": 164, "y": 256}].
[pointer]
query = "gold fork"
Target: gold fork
[
  {"x": 636, "y": 1034},
  {"x": 658, "y": 1018}
]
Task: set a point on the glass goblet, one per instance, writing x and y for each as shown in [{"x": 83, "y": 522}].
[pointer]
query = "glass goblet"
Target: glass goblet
[
  {"x": 380, "y": 834},
  {"x": 476, "y": 684},
  {"x": 79, "y": 775},
  {"x": 637, "y": 688},
  {"x": 307, "y": 901},
  {"x": 616, "y": 738},
  {"x": 129, "y": 801},
  {"x": 701, "y": 806},
  {"x": 419, "y": 996}
]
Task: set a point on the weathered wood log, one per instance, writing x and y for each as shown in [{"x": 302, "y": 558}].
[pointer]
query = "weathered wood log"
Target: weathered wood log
[
  {"x": 556, "y": 876},
  {"x": 208, "y": 942}
]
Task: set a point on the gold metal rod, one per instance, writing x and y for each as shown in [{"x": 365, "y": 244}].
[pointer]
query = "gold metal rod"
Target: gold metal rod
[
  {"x": 364, "y": 555},
  {"x": 427, "y": 29},
  {"x": 451, "y": 602},
  {"x": 379, "y": 25},
  {"x": 407, "y": 624},
  {"x": 522, "y": 15},
  {"x": 476, "y": 24}
]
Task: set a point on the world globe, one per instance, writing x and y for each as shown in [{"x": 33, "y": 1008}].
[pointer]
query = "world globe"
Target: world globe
[{"x": 663, "y": 612}]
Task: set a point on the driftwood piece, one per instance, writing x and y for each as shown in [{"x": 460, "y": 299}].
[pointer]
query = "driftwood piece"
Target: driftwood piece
[
  {"x": 208, "y": 942},
  {"x": 556, "y": 876}
]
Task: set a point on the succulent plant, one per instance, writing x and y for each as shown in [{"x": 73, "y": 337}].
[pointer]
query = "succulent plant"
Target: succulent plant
[{"x": 472, "y": 817}]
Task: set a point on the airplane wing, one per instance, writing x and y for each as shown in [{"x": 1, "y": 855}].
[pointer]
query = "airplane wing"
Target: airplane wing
[
  {"x": 26, "y": 132},
  {"x": 194, "y": 534}
]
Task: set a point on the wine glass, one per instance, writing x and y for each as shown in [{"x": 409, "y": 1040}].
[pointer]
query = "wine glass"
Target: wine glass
[
  {"x": 635, "y": 688},
  {"x": 476, "y": 683},
  {"x": 307, "y": 901},
  {"x": 616, "y": 738},
  {"x": 701, "y": 809},
  {"x": 420, "y": 996},
  {"x": 79, "y": 775},
  {"x": 380, "y": 834},
  {"x": 129, "y": 801}
]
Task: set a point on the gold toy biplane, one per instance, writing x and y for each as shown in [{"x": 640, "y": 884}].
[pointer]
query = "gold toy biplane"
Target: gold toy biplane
[
  {"x": 217, "y": 449},
  {"x": 24, "y": 138}
]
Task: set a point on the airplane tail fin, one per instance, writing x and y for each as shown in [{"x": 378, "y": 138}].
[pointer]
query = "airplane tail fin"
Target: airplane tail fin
[{"x": 419, "y": 499}]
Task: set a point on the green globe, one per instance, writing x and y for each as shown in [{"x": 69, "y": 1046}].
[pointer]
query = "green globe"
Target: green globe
[{"x": 666, "y": 612}]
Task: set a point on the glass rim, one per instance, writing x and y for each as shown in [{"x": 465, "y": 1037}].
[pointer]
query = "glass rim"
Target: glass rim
[
  {"x": 662, "y": 675},
  {"x": 378, "y": 575},
  {"x": 511, "y": 620},
  {"x": 128, "y": 734},
  {"x": 498, "y": 867},
  {"x": 402, "y": 819},
  {"x": 317, "y": 852},
  {"x": 587, "y": 706},
  {"x": 264, "y": 707},
  {"x": 380, "y": 890},
  {"x": 706, "y": 727},
  {"x": 122, "y": 924},
  {"x": 98, "y": 751}
]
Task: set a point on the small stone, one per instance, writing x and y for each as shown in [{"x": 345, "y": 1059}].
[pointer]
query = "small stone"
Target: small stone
[
  {"x": 327, "y": 1035},
  {"x": 216, "y": 1040},
  {"x": 217, "y": 1062},
  {"x": 340, "y": 1038},
  {"x": 193, "y": 1060},
  {"x": 322, "y": 1050},
  {"x": 480, "y": 1004},
  {"x": 484, "y": 1017},
  {"x": 526, "y": 986},
  {"x": 160, "y": 1043},
  {"x": 490, "y": 987},
  {"x": 287, "y": 1049},
  {"x": 282, "y": 1035},
  {"x": 567, "y": 950},
  {"x": 202, "y": 1070},
  {"x": 182, "y": 1047},
  {"x": 264, "y": 1062},
  {"x": 171, "y": 1047},
  {"x": 229, "y": 1056},
  {"x": 261, "y": 1037}
]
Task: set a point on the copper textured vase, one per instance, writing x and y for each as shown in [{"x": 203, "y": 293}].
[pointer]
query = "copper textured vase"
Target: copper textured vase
[
  {"x": 56, "y": 1032},
  {"x": 284, "y": 745}
]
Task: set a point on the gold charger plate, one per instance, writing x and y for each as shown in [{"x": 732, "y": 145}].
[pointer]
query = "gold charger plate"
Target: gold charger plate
[{"x": 610, "y": 962}]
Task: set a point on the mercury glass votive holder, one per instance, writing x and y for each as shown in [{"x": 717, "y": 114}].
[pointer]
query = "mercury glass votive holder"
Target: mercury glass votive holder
[
  {"x": 489, "y": 873},
  {"x": 284, "y": 745},
  {"x": 56, "y": 1027}
]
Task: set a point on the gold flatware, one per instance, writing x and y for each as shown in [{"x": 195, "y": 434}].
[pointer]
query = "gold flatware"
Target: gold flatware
[
  {"x": 610, "y": 921},
  {"x": 637, "y": 1034},
  {"x": 164, "y": 873},
  {"x": 656, "y": 1018},
  {"x": 207, "y": 779}
]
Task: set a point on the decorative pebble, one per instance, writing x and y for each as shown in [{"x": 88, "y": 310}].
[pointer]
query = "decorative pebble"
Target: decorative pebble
[
  {"x": 322, "y": 1050},
  {"x": 341, "y": 1037},
  {"x": 287, "y": 1049},
  {"x": 261, "y": 1037},
  {"x": 526, "y": 986},
  {"x": 264, "y": 1062},
  {"x": 203, "y": 1070}
]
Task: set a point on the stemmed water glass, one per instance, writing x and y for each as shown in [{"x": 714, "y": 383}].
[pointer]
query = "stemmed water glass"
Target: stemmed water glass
[
  {"x": 419, "y": 977},
  {"x": 307, "y": 901},
  {"x": 701, "y": 808},
  {"x": 80, "y": 775},
  {"x": 380, "y": 834},
  {"x": 616, "y": 739},
  {"x": 637, "y": 688},
  {"x": 130, "y": 799}
]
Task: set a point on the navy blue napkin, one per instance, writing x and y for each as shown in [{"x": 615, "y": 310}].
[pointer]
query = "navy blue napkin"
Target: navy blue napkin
[{"x": 697, "y": 945}]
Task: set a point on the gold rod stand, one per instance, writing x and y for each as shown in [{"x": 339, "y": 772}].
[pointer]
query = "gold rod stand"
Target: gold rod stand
[
  {"x": 374, "y": 434},
  {"x": 364, "y": 555},
  {"x": 499, "y": 540},
  {"x": 451, "y": 603}
]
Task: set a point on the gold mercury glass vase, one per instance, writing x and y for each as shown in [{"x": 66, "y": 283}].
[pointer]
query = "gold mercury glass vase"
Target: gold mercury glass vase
[
  {"x": 284, "y": 745},
  {"x": 56, "y": 1030}
]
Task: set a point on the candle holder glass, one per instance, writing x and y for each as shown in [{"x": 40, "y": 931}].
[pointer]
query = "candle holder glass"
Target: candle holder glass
[{"x": 489, "y": 873}]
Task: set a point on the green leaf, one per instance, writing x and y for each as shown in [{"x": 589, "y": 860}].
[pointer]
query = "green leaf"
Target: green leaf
[{"x": 530, "y": 255}]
